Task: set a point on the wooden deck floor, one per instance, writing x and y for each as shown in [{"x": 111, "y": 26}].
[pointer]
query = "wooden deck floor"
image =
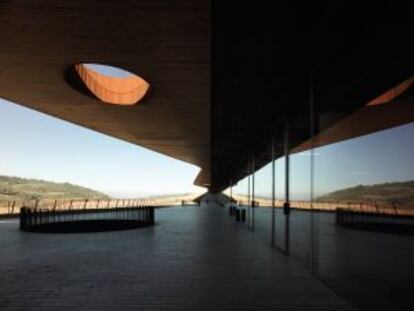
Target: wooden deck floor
[{"x": 192, "y": 259}]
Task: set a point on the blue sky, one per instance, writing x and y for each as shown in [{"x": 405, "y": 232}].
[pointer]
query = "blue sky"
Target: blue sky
[
  {"x": 36, "y": 145},
  {"x": 109, "y": 70}
]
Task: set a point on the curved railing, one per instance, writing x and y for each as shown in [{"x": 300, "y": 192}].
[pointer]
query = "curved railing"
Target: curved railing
[
  {"x": 349, "y": 216},
  {"x": 12, "y": 208},
  {"x": 86, "y": 219}
]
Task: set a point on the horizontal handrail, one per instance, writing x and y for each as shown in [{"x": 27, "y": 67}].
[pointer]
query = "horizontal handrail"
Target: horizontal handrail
[{"x": 13, "y": 207}]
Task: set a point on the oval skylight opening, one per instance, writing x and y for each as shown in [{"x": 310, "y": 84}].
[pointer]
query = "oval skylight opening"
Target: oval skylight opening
[{"x": 112, "y": 85}]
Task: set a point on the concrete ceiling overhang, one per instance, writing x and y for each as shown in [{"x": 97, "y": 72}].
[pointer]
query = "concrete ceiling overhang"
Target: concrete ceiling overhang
[
  {"x": 165, "y": 42},
  {"x": 224, "y": 74}
]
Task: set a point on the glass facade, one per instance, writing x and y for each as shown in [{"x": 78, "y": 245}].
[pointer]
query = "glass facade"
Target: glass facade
[
  {"x": 351, "y": 193},
  {"x": 372, "y": 173},
  {"x": 263, "y": 199}
]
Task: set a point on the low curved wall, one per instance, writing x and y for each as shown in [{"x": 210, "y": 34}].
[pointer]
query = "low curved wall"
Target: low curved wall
[
  {"x": 375, "y": 222},
  {"x": 87, "y": 220}
]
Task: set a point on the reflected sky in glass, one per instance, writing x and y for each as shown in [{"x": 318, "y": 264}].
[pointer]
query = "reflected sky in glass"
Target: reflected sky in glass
[{"x": 385, "y": 156}]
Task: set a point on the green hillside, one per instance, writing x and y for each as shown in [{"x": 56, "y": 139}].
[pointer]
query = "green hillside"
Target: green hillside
[
  {"x": 15, "y": 188},
  {"x": 399, "y": 192}
]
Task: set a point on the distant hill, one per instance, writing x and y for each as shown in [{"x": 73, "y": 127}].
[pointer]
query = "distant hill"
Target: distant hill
[
  {"x": 400, "y": 192},
  {"x": 15, "y": 188}
]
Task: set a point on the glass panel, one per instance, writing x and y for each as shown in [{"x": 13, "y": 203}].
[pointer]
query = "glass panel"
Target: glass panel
[
  {"x": 280, "y": 198},
  {"x": 366, "y": 254},
  {"x": 263, "y": 198},
  {"x": 240, "y": 192},
  {"x": 300, "y": 221}
]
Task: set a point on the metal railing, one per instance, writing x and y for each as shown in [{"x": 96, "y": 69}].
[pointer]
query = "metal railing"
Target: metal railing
[
  {"x": 38, "y": 219},
  {"x": 373, "y": 207},
  {"x": 347, "y": 217},
  {"x": 12, "y": 208}
]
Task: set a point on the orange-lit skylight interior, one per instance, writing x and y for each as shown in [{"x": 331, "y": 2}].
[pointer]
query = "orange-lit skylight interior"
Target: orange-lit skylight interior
[
  {"x": 392, "y": 93},
  {"x": 112, "y": 85}
]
